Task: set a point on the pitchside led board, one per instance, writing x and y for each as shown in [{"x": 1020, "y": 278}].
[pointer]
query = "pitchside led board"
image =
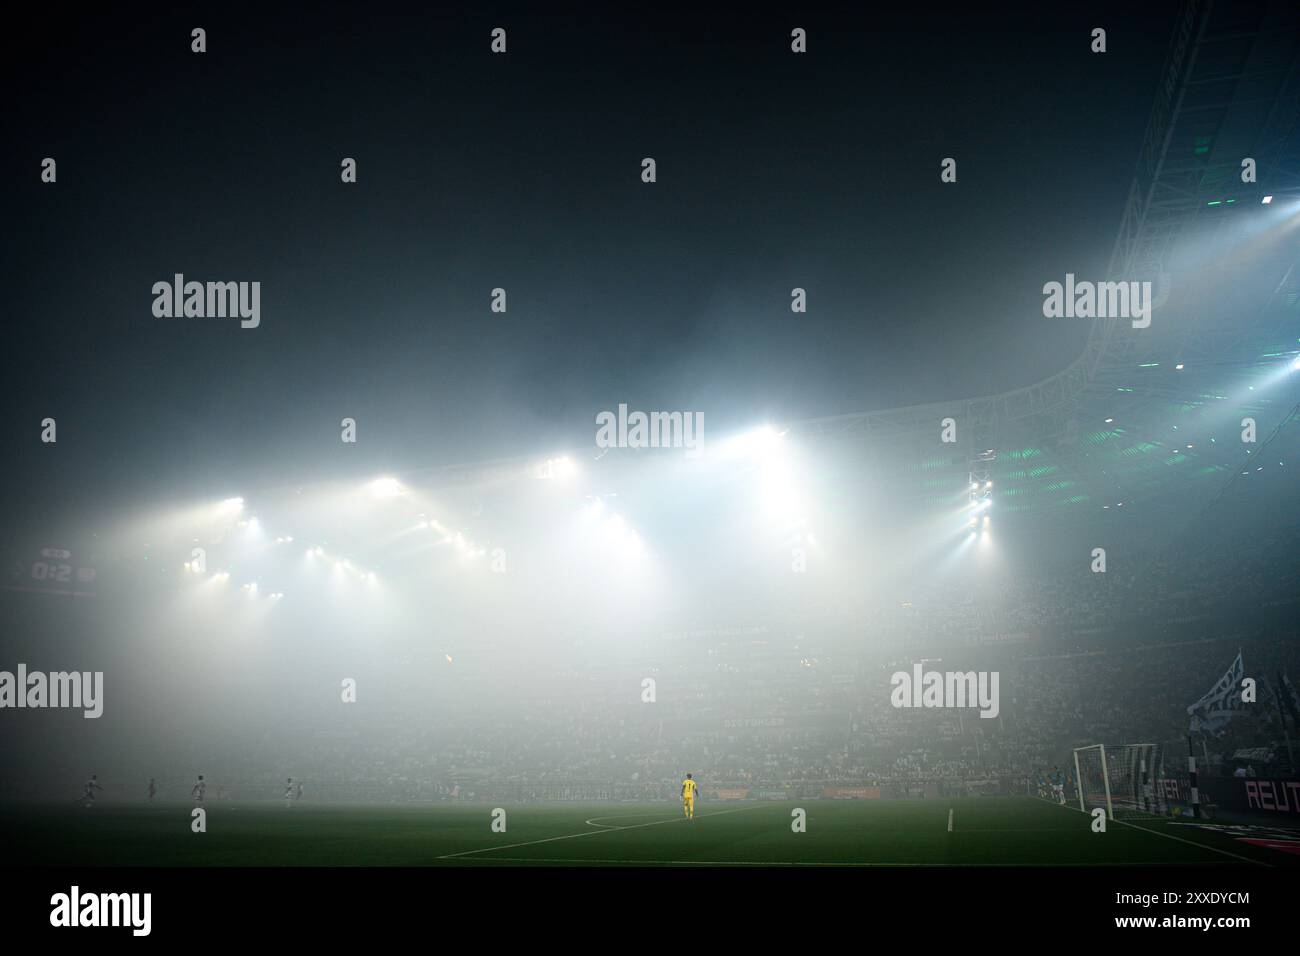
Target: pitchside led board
[{"x": 53, "y": 570}]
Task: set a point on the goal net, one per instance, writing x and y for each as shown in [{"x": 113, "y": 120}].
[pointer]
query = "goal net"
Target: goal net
[{"x": 1127, "y": 780}]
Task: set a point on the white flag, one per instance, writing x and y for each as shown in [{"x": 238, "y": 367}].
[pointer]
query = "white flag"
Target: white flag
[{"x": 1222, "y": 702}]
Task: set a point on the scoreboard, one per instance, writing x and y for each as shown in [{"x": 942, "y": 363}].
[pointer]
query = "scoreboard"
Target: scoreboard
[{"x": 53, "y": 570}]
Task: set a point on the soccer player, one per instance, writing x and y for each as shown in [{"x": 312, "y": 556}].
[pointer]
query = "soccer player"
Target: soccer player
[
  {"x": 153, "y": 789},
  {"x": 1058, "y": 786},
  {"x": 88, "y": 791},
  {"x": 199, "y": 790},
  {"x": 689, "y": 788},
  {"x": 298, "y": 795},
  {"x": 288, "y": 791}
]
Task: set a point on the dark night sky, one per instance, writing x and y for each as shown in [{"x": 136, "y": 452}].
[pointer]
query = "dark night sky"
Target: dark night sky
[{"x": 522, "y": 171}]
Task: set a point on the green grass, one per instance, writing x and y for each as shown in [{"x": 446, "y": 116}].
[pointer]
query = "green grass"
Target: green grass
[{"x": 995, "y": 831}]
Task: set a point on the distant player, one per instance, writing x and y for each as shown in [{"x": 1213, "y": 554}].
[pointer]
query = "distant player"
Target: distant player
[
  {"x": 88, "y": 791},
  {"x": 288, "y": 791},
  {"x": 689, "y": 788},
  {"x": 153, "y": 789},
  {"x": 298, "y": 795},
  {"x": 199, "y": 789},
  {"x": 1058, "y": 785}
]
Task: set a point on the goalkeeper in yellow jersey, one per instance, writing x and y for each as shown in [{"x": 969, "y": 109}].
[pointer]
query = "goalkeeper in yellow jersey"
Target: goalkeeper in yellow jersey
[{"x": 689, "y": 789}]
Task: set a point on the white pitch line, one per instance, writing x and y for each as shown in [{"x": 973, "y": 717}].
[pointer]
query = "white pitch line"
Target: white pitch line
[
  {"x": 1170, "y": 836},
  {"x": 613, "y": 816},
  {"x": 584, "y": 833}
]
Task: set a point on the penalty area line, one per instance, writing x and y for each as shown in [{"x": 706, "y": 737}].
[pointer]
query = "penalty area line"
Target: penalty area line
[{"x": 586, "y": 833}]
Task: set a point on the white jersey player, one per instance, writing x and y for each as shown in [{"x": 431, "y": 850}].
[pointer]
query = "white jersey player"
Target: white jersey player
[
  {"x": 200, "y": 789},
  {"x": 288, "y": 791}
]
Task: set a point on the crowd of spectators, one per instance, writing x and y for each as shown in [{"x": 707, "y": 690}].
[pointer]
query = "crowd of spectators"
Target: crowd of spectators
[
  {"x": 1082, "y": 659},
  {"x": 788, "y": 727}
]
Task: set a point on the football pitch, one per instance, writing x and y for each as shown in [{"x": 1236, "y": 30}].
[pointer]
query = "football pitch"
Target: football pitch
[{"x": 995, "y": 831}]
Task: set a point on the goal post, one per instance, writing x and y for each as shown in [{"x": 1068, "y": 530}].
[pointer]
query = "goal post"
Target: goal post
[
  {"x": 1122, "y": 778},
  {"x": 1078, "y": 782}
]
